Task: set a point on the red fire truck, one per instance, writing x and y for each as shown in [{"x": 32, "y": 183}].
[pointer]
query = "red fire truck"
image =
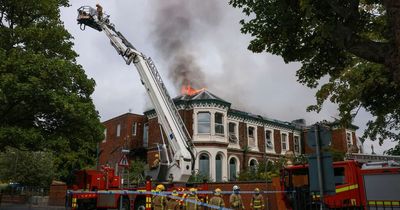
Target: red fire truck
[
  {"x": 358, "y": 186},
  {"x": 102, "y": 189}
]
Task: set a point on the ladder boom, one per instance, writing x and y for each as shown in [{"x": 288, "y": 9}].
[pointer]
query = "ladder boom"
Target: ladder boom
[{"x": 179, "y": 167}]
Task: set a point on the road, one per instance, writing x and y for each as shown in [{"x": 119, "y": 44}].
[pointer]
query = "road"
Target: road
[{"x": 6, "y": 206}]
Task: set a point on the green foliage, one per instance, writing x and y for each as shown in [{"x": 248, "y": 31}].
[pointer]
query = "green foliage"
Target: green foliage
[
  {"x": 354, "y": 44},
  {"x": 300, "y": 160},
  {"x": 394, "y": 151},
  {"x": 34, "y": 169},
  {"x": 136, "y": 171},
  {"x": 197, "y": 177},
  {"x": 265, "y": 171},
  {"x": 45, "y": 102}
]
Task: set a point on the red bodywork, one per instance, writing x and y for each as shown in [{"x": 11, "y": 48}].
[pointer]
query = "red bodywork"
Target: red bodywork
[
  {"x": 101, "y": 189},
  {"x": 349, "y": 182}
]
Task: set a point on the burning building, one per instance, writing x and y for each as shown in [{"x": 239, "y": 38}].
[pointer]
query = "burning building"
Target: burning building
[{"x": 227, "y": 140}]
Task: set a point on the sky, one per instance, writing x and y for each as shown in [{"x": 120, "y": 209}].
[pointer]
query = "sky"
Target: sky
[{"x": 195, "y": 42}]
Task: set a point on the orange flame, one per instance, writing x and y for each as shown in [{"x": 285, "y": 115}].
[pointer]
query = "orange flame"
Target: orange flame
[{"x": 189, "y": 90}]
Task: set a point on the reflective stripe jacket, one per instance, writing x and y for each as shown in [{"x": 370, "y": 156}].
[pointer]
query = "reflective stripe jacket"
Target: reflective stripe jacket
[
  {"x": 159, "y": 202},
  {"x": 217, "y": 201},
  {"x": 257, "y": 202},
  {"x": 235, "y": 201}
]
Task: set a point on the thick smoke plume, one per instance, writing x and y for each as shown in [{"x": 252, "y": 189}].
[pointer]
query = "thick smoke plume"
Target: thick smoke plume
[{"x": 176, "y": 38}]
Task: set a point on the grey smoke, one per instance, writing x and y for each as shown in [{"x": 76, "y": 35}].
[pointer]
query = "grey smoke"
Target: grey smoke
[{"x": 177, "y": 34}]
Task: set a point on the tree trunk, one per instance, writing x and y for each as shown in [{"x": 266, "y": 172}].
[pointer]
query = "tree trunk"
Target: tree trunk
[{"x": 393, "y": 59}]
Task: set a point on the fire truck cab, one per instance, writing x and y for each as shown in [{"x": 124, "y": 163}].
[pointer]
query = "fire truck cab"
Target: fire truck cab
[{"x": 356, "y": 187}]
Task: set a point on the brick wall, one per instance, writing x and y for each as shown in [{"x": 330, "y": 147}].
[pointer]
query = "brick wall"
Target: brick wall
[
  {"x": 261, "y": 138},
  {"x": 243, "y": 141},
  {"x": 110, "y": 150},
  {"x": 277, "y": 141}
]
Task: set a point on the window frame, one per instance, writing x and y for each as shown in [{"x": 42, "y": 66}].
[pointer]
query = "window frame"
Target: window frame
[
  {"x": 234, "y": 140},
  {"x": 296, "y": 144},
  {"x": 203, "y": 123},
  {"x": 105, "y": 135},
  {"x": 270, "y": 139},
  {"x": 284, "y": 141},
  {"x": 134, "y": 128},
  {"x": 221, "y": 124},
  {"x": 118, "y": 133}
]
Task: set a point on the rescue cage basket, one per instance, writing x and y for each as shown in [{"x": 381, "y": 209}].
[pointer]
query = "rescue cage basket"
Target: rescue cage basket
[{"x": 86, "y": 17}]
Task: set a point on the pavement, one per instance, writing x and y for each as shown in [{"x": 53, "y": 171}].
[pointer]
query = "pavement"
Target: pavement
[{"x": 11, "y": 206}]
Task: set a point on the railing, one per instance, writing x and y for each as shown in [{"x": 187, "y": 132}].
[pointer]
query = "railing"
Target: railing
[{"x": 170, "y": 102}]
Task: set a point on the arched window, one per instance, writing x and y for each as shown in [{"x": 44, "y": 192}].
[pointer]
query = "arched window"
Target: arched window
[
  {"x": 253, "y": 165},
  {"x": 218, "y": 168},
  {"x": 204, "y": 165},
  {"x": 232, "y": 169}
]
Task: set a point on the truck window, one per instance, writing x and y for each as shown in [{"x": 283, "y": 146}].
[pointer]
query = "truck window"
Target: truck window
[{"x": 339, "y": 176}]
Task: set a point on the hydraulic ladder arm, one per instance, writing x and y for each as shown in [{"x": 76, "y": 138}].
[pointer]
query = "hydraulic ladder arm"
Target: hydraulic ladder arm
[{"x": 177, "y": 168}]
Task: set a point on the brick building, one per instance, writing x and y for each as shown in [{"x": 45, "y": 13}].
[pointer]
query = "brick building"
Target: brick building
[
  {"x": 226, "y": 140},
  {"x": 122, "y": 132}
]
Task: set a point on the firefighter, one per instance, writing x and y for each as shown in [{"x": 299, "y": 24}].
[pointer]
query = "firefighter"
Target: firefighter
[
  {"x": 235, "y": 200},
  {"x": 191, "y": 201},
  {"x": 99, "y": 9},
  {"x": 174, "y": 202},
  {"x": 159, "y": 201},
  {"x": 257, "y": 201},
  {"x": 156, "y": 161},
  {"x": 217, "y": 200}
]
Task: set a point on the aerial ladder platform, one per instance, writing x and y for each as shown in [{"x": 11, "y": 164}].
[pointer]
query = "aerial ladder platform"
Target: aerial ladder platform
[{"x": 177, "y": 160}]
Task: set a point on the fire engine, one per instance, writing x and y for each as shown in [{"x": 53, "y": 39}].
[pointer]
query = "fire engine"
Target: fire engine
[
  {"x": 101, "y": 189},
  {"x": 358, "y": 186}
]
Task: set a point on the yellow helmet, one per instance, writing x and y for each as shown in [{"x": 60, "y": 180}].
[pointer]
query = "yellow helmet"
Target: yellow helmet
[
  {"x": 160, "y": 187},
  {"x": 192, "y": 190},
  {"x": 217, "y": 191},
  {"x": 174, "y": 193}
]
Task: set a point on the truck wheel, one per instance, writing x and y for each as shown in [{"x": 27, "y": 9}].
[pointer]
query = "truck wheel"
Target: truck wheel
[{"x": 140, "y": 204}]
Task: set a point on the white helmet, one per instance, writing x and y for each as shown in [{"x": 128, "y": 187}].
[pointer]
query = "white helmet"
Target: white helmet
[{"x": 235, "y": 187}]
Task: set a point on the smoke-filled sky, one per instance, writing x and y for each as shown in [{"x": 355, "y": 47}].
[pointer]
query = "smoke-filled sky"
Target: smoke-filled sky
[{"x": 197, "y": 43}]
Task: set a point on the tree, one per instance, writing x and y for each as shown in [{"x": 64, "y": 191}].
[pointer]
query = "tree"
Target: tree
[
  {"x": 34, "y": 169},
  {"x": 136, "y": 171},
  {"x": 355, "y": 44},
  {"x": 45, "y": 102}
]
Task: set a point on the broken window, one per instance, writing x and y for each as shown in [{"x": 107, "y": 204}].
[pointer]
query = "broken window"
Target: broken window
[
  {"x": 251, "y": 132},
  {"x": 219, "y": 123},
  {"x": 251, "y": 135},
  {"x": 232, "y": 132},
  {"x": 268, "y": 140},
  {"x": 203, "y": 122}
]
